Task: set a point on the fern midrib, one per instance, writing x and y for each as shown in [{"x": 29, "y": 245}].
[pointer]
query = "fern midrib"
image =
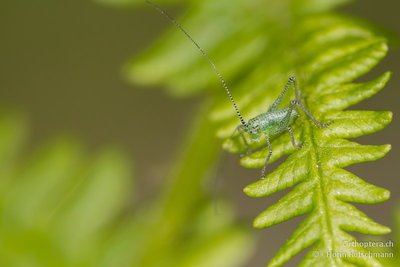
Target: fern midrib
[{"x": 326, "y": 228}]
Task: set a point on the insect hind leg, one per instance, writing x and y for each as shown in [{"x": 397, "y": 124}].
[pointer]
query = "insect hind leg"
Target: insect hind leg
[
  {"x": 292, "y": 138},
  {"x": 277, "y": 102},
  {"x": 319, "y": 125},
  {"x": 298, "y": 103}
]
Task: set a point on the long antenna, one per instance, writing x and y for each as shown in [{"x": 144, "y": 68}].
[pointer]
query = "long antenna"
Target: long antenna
[{"x": 204, "y": 54}]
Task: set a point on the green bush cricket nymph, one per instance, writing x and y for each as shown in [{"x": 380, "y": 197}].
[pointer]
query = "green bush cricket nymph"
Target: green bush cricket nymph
[{"x": 276, "y": 120}]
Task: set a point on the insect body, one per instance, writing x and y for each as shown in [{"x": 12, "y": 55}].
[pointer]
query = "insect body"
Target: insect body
[
  {"x": 270, "y": 122},
  {"x": 275, "y": 120}
]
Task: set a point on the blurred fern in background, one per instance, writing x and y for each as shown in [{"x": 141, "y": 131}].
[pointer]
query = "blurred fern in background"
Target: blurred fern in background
[
  {"x": 64, "y": 207},
  {"x": 58, "y": 206},
  {"x": 393, "y": 247}
]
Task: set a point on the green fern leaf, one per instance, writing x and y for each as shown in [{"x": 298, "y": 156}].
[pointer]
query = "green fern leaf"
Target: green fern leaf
[{"x": 326, "y": 52}]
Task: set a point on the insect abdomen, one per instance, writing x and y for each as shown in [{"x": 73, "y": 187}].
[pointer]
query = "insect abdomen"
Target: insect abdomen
[{"x": 271, "y": 122}]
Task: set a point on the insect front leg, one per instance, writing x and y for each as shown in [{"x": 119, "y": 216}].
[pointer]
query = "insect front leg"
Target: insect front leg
[
  {"x": 269, "y": 156},
  {"x": 240, "y": 130}
]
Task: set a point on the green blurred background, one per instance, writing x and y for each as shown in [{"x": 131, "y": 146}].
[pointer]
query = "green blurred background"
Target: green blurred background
[{"x": 61, "y": 62}]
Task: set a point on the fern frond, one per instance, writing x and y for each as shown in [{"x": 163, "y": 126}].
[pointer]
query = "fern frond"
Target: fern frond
[
  {"x": 258, "y": 53},
  {"x": 321, "y": 186}
]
